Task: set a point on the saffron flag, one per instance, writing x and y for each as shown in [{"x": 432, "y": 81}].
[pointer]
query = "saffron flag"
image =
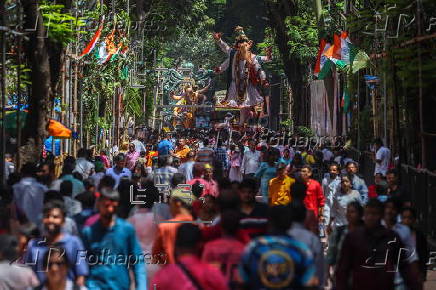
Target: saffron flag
[
  {"x": 93, "y": 41},
  {"x": 336, "y": 54}
]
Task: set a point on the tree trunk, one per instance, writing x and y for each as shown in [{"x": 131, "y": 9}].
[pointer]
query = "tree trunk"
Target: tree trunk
[
  {"x": 277, "y": 13},
  {"x": 39, "y": 101}
]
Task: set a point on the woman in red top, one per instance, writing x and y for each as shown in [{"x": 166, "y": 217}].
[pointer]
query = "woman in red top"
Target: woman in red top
[{"x": 314, "y": 199}]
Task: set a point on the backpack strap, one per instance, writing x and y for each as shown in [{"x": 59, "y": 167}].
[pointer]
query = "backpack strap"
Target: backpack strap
[{"x": 190, "y": 276}]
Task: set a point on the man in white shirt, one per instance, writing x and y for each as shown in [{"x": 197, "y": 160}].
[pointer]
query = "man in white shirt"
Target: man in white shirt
[
  {"x": 327, "y": 154},
  {"x": 251, "y": 160},
  {"x": 29, "y": 193},
  {"x": 83, "y": 166},
  {"x": 165, "y": 172},
  {"x": 382, "y": 157},
  {"x": 330, "y": 183},
  {"x": 139, "y": 146}
]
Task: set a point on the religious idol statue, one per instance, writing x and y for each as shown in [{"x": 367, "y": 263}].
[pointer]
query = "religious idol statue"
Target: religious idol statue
[
  {"x": 191, "y": 96},
  {"x": 245, "y": 74}
]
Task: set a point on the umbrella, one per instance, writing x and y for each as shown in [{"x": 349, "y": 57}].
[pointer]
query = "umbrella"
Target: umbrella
[
  {"x": 55, "y": 128},
  {"x": 10, "y": 120},
  {"x": 58, "y": 130}
]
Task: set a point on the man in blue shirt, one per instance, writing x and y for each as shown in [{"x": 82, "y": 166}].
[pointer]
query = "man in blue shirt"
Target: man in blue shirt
[
  {"x": 112, "y": 248},
  {"x": 278, "y": 261},
  {"x": 119, "y": 170},
  {"x": 165, "y": 147},
  {"x": 357, "y": 182},
  {"x": 53, "y": 220}
]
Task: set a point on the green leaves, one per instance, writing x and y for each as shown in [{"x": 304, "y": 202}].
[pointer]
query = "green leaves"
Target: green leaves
[
  {"x": 62, "y": 27},
  {"x": 303, "y": 32}
]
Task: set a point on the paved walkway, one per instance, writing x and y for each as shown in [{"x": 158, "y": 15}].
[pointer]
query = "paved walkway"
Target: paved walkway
[{"x": 430, "y": 284}]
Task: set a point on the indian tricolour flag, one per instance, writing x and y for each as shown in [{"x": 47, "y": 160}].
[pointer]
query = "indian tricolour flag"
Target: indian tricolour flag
[
  {"x": 333, "y": 54},
  {"x": 325, "y": 64},
  {"x": 91, "y": 45},
  {"x": 317, "y": 69}
]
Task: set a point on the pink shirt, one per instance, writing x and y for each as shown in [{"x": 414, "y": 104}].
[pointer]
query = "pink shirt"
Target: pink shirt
[
  {"x": 171, "y": 277},
  {"x": 131, "y": 159},
  {"x": 105, "y": 160},
  {"x": 213, "y": 188},
  {"x": 146, "y": 228},
  {"x": 224, "y": 254}
]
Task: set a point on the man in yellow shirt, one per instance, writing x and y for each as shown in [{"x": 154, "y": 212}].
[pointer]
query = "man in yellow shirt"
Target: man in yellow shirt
[{"x": 280, "y": 187}]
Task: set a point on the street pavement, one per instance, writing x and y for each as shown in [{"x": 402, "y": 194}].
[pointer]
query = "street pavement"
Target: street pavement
[{"x": 430, "y": 284}]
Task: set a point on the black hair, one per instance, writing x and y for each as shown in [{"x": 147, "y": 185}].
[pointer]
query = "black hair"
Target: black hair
[
  {"x": 396, "y": 202},
  {"x": 228, "y": 199},
  {"x": 68, "y": 168},
  {"x": 119, "y": 157},
  {"x": 66, "y": 188},
  {"x": 378, "y": 141},
  {"x": 197, "y": 189},
  {"x": 8, "y": 247},
  {"x": 54, "y": 204},
  {"x": 392, "y": 171},
  {"x": 280, "y": 217},
  {"x": 307, "y": 167},
  {"x": 106, "y": 181},
  {"x": 352, "y": 162},
  {"x": 87, "y": 199},
  {"x": 62, "y": 255},
  {"x": 357, "y": 206},
  {"x": 298, "y": 190},
  {"x": 188, "y": 236},
  {"x": 78, "y": 176},
  {"x": 88, "y": 183},
  {"x": 230, "y": 221},
  {"x": 375, "y": 204},
  {"x": 333, "y": 163},
  {"x": 197, "y": 169},
  {"x": 224, "y": 183},
  {"x": 29, "y": 169},
  {"x": 411, "y": 209},
  {"x": 82, "y": 153},
  {"x": 249, "y": 183},
  {"x": 178, "y": 178},
  {"x": 298, "y": 211},
  {"x": 51, "y": 195},
  {"x": 50, "y": 165}
]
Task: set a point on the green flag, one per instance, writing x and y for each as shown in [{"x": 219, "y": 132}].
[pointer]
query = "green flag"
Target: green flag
[{"x": 360, "y": 61}]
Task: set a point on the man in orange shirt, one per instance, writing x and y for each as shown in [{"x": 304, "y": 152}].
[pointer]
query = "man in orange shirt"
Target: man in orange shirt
[
  {"x": 180, "y": 208},
  {"x": 182, "y": 150},
  {"x": 280, "y": 187},
  {"x": 151, "y": 152}
]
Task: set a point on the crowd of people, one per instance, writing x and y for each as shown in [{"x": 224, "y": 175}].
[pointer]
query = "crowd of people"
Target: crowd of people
[{"x": 204, "y": 211}]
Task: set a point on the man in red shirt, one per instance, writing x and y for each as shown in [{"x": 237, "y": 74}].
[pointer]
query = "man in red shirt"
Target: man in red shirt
[
  {"x": 314, "y": 199},
  {"x": 189, "y": 272}
]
